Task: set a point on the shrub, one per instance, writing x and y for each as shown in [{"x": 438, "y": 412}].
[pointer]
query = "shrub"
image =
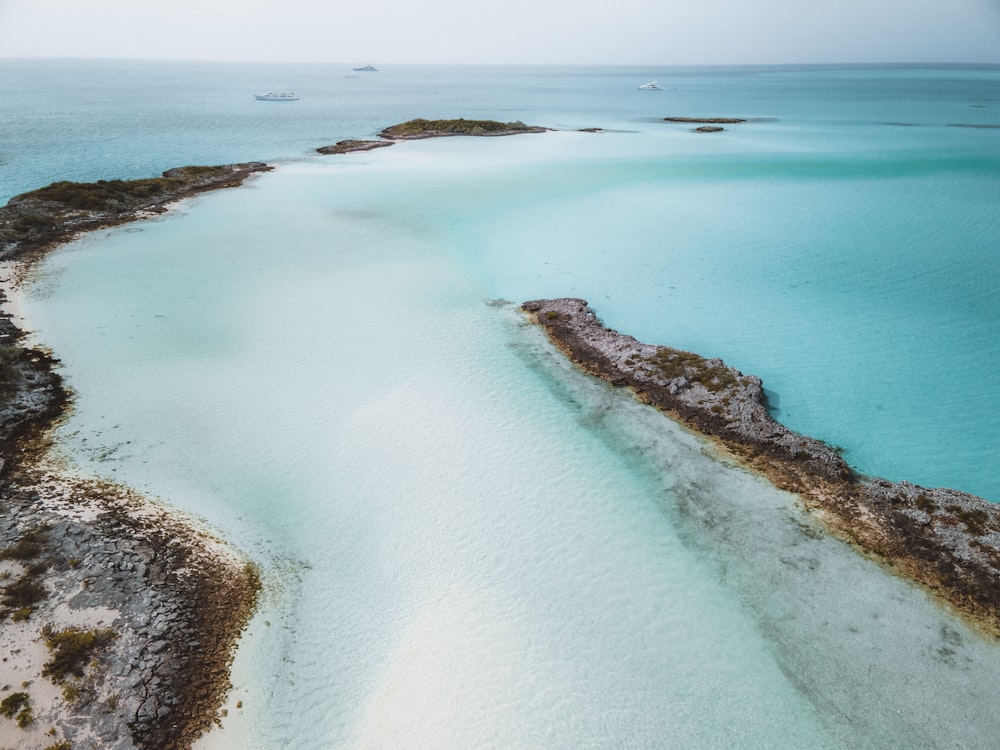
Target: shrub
[
  {"x": 973, "y": 518},
  {"x": 13, "y": 703},
  {"x": 24, "y": 593},
  {"x": 925, "y": 504},
  {"x": 28, "y": 547},
  {"x": 674, "y": 363},
  {"x": 71, "y": 648},
  {"x": 26, "y": 717}
]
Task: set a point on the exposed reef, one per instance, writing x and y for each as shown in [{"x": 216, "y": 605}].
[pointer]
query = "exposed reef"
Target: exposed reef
[
  {"x": 35, "y": 221},
  {"x": 350, "y": 146},
  {"x": 709, "y": 129},
  {"x": 118, "y": 619},
  {"x": 946, "y": 540},
  {"x": 420, "y": 128},
  {"x": 706, "y": 120}
]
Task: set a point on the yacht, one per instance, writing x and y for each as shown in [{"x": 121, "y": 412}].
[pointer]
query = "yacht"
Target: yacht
[
  {"x": 277, "y": 96},
  {"x": 651, "y": 86}
]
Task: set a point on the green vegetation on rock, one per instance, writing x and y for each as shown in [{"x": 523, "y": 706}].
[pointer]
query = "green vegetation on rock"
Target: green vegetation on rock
[
  {"x": 975, "y": 519},
  {"x": 100, "y": 195},
  {"x": 18, "y": 706},
  {"x": 28, "y": 547},
  {"x": 71, "y": 649},
  {"x": 20, "y": 597},
  {"x": 12, "y": 704},
  {"x": 54, "y": 212},
  {"x": 110, "y": 195},
  {"x": 421, "y": 128},
  {"x": 674, "y": 363}
]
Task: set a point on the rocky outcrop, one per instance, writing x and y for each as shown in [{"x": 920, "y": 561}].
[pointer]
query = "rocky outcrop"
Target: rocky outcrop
[
  {"x": 33, "y": 222},
  {"x": 420, "y": 128},
  {"x": 706, "y": 120},
  {"x": 350, "y": 146},
  {"x": 949, "y": 541}
]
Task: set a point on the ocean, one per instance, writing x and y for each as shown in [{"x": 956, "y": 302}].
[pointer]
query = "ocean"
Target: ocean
[{"x": 465, "y": 542}]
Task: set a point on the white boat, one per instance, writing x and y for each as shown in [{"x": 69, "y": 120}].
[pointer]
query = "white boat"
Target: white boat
[
  {"x": 651, "y": 86},
  {"x": 276, "y": 96}
]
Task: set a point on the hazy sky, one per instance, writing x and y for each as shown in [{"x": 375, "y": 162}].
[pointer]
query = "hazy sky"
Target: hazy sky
[{"x": 507, "y": 31}]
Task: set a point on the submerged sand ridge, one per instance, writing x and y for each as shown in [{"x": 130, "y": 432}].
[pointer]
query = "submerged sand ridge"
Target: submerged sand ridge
[{"x": 947, "y": 540}]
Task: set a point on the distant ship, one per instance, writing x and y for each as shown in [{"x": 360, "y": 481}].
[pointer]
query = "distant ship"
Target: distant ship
[
  {"x": 651, "y": 86},
  {"x": 367, "y": 69},
  {"x": 276, "y": 96}
]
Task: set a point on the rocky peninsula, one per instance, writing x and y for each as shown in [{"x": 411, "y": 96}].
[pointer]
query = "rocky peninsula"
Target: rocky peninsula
[
  {"x": 36, "y": 221},
  {"x": 118, "y": 619},
  {"x": 945, "y": 540}
]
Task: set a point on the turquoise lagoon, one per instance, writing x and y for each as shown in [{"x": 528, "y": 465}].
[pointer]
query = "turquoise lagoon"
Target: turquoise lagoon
[{"x": 467, "y": 543}]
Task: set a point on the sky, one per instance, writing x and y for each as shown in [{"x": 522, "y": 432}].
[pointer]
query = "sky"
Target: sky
[{"x": 572, "y": 32}]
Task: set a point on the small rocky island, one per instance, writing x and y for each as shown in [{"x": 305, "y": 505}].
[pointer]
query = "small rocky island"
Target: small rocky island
[
  {"x": 420, "y": 128},
  {"x": 946, "y": 540},
  {"x": 417, "y": 129},
  {"x": 118, "y": 619},
  {"x": 352, "y": 146},
  {"x": 706, "y": 120},
  {"x": 706, "y": 124}
]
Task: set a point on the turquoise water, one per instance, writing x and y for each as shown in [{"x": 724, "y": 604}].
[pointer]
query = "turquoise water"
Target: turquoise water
[{"x": 468, "y": 544}]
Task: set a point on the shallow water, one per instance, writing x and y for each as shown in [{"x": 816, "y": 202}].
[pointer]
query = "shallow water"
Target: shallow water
[{"x": 467, "y": 543}]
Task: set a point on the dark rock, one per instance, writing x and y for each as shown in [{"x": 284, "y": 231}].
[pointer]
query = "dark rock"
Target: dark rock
[
  {"x": 706, "y": 120},
  {"x": 347, "y": 147}
]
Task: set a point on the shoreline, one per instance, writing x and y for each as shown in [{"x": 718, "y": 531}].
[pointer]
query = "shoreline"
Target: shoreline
[
  {"x": 35, "y": 222},
  {"x": 154, "y": 601},
  {"x": 945, "y": 540}
]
